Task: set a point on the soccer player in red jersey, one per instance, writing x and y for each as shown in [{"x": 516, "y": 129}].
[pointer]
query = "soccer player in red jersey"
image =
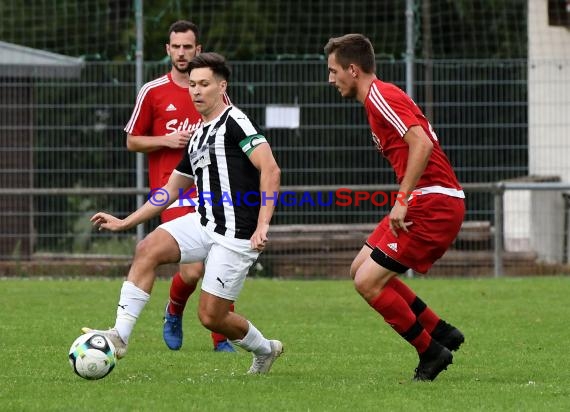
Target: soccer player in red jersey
[
  {"x": 161, "y": 125},
  {"x": 421, "y": 224}
]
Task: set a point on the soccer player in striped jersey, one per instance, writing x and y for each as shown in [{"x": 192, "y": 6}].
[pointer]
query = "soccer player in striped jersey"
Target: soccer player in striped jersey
[
  {"x": 161, "y": 124},
  {"x": 238, "y": 183},
  {"x": 424, "y": 220}
]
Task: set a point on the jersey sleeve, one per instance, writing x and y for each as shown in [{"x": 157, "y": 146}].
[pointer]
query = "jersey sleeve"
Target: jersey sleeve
[
  {"x": 246, "y": 134},
  {"x": 394, "y": 108},
  {"x": 249, "y": 143},
  {"x": 185, "y": 167},
  {"x": 140, "y": 123}
]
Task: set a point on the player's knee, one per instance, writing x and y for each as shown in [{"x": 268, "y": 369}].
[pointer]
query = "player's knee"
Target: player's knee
[
  {"x": 209, "y": 320},
  {"x": 369, "y": 287},
  {"x": 361, "y": 282},
  {"x": 369, "y": 280},
  {"x": 145, "y": 250},
  {"x": 191, "y": 275}
]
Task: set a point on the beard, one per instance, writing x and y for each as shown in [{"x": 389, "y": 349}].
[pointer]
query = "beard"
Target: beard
[{"x": 176, "y": 64}]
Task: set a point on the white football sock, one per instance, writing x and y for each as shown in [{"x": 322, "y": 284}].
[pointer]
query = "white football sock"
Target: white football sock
[
  {"x": 253, "y": 341},
  {"x": 131, "y": 303}
]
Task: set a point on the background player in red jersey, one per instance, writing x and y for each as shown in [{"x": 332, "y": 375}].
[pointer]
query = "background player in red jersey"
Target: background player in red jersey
[
  {"x": 161, "y": 124},
  {"x": 418, "y": 229}
]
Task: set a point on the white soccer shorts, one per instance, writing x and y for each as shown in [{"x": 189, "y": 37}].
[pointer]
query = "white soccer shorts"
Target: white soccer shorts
[{"x": 227, "y": 260}]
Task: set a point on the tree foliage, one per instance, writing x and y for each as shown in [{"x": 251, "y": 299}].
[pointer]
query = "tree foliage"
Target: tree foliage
[{"x": 259, "y": 29}]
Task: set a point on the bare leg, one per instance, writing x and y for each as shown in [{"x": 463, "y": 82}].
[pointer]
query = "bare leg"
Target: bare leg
[
  {"x": 158, "y": 248},
  {"x": 214, "y": 313}
]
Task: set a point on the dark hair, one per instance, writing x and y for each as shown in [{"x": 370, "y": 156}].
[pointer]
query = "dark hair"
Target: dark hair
[
  {"x": 352, "y": 48},
  {"x": 214, "y": 61},
  {"x": 182, "y": 26}
]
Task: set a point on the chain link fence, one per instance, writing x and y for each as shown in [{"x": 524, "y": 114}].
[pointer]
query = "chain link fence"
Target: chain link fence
[
  {"x": 500, "y": 118},
  {"x": 67, "y": 133}
]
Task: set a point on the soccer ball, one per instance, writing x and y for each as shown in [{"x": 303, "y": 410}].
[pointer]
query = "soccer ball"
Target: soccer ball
[{"x": 92, "y": 356}]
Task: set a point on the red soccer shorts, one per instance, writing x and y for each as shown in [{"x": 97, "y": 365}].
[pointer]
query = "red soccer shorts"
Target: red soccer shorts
[
  {"x": 175, "y": 212},
  {"x": 436, "y": 221}
]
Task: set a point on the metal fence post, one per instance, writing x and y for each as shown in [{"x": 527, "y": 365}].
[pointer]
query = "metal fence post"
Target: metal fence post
[
  {"x": 410, "y": 48},
  {"x": 139, "y": 80},
  {"x": 566, "y": 197},
  {"x": 498, "y": 240}
]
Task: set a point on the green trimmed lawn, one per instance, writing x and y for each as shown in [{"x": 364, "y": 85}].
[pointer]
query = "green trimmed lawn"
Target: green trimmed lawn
[{"x": 339, "y": 354}]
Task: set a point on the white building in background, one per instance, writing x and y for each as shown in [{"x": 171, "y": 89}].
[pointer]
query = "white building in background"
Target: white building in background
[{"x": 534, "y": 220}]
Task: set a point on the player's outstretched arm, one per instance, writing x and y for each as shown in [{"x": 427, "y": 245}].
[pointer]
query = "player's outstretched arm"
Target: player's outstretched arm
[{"x": 158, "y": 200}]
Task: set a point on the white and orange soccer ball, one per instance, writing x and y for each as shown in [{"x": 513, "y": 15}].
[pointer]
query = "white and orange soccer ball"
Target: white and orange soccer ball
[{"x": 92, "y": 356}]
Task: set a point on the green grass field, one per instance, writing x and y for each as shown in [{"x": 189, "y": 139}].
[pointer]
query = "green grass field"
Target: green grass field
[{"x": 339, "y": 354}]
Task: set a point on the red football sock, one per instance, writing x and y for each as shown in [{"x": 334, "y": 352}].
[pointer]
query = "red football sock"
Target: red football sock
[
  {"x": 179, "y": 294},
  {"x": 398, "y": 314},
  {"x": 218, "y": 337},
  {"x": 427, "y": 317}
]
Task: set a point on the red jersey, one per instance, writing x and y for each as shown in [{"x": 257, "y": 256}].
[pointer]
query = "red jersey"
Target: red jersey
[
  {"x": 391, "y": 112},
  {"x": 162, "y": 107}
]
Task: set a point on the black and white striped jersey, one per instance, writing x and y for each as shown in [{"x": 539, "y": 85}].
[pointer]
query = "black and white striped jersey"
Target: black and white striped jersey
[{"x": 217, "y": 158}]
